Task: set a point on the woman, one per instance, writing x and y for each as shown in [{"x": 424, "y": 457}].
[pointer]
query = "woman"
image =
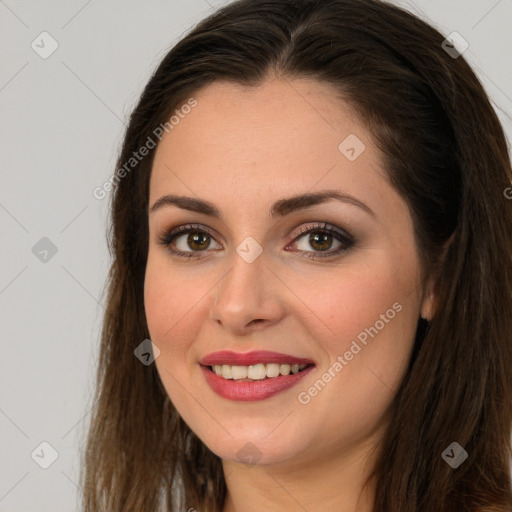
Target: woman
[{"x": 311, "y": 226}]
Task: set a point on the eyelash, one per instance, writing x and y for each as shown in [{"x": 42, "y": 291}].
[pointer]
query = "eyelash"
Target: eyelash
[{"x": 347, "y": 240}]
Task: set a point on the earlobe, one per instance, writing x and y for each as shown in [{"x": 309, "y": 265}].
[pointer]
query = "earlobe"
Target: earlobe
[
  {"x": 428, "y": 306},
  {"x": 429, "y": 303}
]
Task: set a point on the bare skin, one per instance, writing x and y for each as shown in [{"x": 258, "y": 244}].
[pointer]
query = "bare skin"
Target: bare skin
[{"x": 242, "y": 149}]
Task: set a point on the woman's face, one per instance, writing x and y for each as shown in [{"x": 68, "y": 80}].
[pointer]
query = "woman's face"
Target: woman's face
[{"x": 346, "y": 302}]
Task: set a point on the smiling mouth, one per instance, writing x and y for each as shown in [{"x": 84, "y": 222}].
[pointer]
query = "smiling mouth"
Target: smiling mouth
[{"x": 256, "y": 372}]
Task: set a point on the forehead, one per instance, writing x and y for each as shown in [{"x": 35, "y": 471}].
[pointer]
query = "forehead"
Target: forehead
[
  {"x": 252, "y": 143},
  {"x": 251, "y": 122}
]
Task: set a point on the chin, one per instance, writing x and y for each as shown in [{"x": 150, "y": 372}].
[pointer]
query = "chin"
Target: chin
[{"x": 255, "y": 446}]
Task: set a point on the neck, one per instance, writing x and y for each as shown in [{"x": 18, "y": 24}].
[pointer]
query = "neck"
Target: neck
[{"x": 328, "y": 481}]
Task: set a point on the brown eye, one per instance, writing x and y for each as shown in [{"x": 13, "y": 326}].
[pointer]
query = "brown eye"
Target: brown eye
[
  {"x": 187, "y": 241},
  {"x": 192, "y": 240},
  {"x": 320, "y": 241},
  {"x": 315, "y": 241},
  {"x": 321, "y": 238},
  {"x": 198, "y": 241}
]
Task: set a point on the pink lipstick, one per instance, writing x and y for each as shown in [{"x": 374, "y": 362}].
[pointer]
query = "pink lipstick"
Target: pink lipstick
[{"x": 255, "y": 375}]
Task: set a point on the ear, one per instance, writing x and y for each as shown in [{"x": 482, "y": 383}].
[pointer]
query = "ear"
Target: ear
[{"x": 429, "y": 302}]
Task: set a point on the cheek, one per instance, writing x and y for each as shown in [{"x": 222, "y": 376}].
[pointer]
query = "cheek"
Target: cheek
[
  {"x": 169, "y": 304},
  {"x": 175, "y": 308},
  {"x": 159, "y": 303},
  {"x": 372, "y": 315},
  {"x": 357, "y": 300}
]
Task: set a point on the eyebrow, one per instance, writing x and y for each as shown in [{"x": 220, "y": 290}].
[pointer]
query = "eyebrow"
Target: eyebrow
[{"x": 280, "y": 208}]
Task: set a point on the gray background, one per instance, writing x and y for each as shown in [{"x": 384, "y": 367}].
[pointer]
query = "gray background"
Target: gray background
[{"x": 61, "y": 125}]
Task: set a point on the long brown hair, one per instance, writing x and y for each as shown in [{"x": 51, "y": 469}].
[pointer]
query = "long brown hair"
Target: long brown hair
[{"x": 444, "y": 151}]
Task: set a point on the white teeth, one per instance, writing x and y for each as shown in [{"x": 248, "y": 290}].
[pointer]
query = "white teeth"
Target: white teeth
[
  {"x": 256, "y": 371},
  {"x": 284, "y": 369},
  {"x": 226, "y": 371},
  {"x": 272, "y": 370},
  {"x": 238, "y": 372}
]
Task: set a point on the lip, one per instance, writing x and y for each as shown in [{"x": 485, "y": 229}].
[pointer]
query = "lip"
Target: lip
[
  {"x": 239, "y": 390},
  {"x": 250, "y": 358}
]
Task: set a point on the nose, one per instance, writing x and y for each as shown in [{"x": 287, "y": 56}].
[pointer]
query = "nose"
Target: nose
[{"x": 249, "y": 297}]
